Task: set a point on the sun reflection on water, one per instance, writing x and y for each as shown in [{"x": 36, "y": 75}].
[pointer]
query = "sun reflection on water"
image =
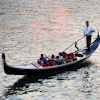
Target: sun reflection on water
[{"x": 51, "y": 29}]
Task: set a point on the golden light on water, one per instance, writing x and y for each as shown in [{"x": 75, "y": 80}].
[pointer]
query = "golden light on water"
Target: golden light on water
[
  {"x": 50, "y": 30},
  {"x": 59, "y": 16}
]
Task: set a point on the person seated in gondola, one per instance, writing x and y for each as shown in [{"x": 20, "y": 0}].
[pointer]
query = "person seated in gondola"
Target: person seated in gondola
[
  {"x": 58, "y": 61},
  {"x": 52, "y": 60},
  {"x": 63, "y": 53},
  {"x": 61, "y": 57},
  {"x": 42, "y": 61},
  {"x": 52, "y": 57},
  {"x": 70, "y": 57},
  {"x": 64, "y": 56}
]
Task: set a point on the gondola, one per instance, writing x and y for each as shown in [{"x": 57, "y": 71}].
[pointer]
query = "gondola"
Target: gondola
[{"x": 36, "y": 69}]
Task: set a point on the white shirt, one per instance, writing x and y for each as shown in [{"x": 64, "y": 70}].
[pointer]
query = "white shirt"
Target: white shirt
[
  {"x": 60, "y": 57},
  {"x": 89, "y": 30}
]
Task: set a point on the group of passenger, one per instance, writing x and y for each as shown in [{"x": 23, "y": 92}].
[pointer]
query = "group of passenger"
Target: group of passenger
[{"x": 61, "y": 58}]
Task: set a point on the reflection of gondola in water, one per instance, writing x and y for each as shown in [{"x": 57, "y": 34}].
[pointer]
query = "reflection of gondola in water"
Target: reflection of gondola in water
[{"x": 36, "y": 69}]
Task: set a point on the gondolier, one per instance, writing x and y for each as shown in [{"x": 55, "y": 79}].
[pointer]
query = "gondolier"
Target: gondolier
[{"x": 88, "y": 31}]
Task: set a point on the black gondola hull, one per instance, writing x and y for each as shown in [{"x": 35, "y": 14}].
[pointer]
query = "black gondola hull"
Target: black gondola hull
[{"x": 50, "y": 70}]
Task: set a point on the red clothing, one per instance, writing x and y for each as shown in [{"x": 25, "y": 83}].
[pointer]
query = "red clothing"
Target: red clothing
[
  {"x": 64, "y": 54},
  {"x": 72, "y": 55},
  {"x": 51, "y": 63},
  {"x": 68, "y": 60}
]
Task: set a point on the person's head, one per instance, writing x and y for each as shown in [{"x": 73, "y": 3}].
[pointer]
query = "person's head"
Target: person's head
[
  {"x": 52, "y": 56},
  {"x": 41, "y": 55},
  {"x": 87, "y": 23},
  {"x": 57, "y": 57},
  {"x": 60, "y": 53}
]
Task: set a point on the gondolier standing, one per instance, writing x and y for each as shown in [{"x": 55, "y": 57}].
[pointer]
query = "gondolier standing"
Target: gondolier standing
[{"x": 88, "y": 31}]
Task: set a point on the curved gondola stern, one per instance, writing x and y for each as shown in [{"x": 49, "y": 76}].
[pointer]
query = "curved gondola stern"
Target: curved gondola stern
[
  {"x": 5, "y": 65},
  {"x": 4, "y": 59},
  {"x": 9, "y": 70}
]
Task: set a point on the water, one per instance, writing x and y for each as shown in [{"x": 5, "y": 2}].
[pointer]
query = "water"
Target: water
[{"x": 31, "y": 27}]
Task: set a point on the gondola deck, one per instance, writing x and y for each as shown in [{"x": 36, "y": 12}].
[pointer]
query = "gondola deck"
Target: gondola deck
[{"x": 36, "y": 69}]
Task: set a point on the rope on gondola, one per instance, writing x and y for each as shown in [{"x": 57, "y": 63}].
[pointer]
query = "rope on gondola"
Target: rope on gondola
[{"x": 74, "y": 43}]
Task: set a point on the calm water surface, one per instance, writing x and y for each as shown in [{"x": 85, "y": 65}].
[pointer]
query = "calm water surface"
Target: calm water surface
[{"x": 31, "y": 27}]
